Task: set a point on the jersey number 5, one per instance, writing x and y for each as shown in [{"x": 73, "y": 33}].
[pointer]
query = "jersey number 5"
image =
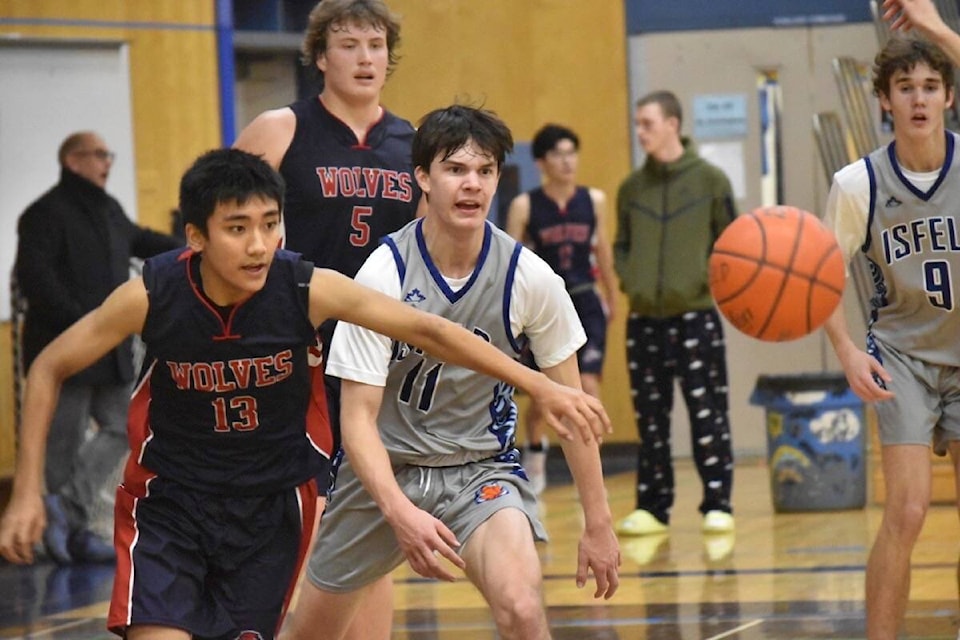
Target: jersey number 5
[{"x": 360, "y": 235}]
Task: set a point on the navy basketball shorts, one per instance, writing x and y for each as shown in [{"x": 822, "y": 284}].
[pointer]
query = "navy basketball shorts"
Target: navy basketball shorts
[
  {"x": 594, "y": 321},
  {"x": 218, "y": 566}
]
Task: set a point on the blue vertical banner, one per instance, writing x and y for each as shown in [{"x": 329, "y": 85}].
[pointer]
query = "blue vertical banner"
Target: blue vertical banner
[
  {"x": 771, "y": 145},
  {"x": 227, "y": 76}
]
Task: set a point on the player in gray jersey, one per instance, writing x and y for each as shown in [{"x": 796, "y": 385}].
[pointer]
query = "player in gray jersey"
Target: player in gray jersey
[
  {"x": 898, "y": 206},
  {"x": 431, "y": 471}
]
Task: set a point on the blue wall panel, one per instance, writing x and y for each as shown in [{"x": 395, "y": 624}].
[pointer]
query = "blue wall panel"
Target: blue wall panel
[{"x": 645, "y": 16}]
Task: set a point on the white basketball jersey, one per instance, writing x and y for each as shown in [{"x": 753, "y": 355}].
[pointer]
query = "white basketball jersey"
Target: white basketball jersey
[
  {"x": 438, "y": 414},
  {"x": 913, "y": 249}
]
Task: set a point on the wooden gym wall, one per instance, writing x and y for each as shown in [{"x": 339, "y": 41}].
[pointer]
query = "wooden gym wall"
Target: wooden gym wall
[
  {"x": 175, "y": 106},
  {"x": 532, "y": 62}
]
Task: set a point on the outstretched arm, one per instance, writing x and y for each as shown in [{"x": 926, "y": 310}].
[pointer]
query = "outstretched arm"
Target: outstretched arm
[
  {"x": 922, "y": 15},
  {"x": 568, "y": 411},
  {"x": 87, "y": 340},
  {"x": 598, "y": 551}
]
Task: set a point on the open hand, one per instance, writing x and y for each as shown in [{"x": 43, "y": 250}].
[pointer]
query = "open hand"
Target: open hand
[{"x": 425, "y": 540}]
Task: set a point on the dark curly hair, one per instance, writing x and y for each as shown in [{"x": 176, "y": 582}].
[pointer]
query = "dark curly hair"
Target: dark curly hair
[{"x": 903, "y": 54}]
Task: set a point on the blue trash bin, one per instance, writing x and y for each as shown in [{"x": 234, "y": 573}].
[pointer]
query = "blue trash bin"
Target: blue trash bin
[{"x": 815, "y": 441}]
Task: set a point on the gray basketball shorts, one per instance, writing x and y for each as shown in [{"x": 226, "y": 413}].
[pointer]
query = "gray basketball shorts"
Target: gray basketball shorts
[
  {"x": 925, "y": 408},
  {"x": 355, "y": 544}
]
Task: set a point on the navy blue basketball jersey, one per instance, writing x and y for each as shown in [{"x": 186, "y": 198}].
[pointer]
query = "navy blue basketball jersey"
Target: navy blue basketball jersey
[
  {"x": 564, "y": 237},
  {"x": 224, "y": 403},
  {"x": 343, "y": 195}
]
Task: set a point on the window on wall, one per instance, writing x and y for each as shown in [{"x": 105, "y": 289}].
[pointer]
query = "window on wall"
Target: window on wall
[{"x": 266, "y": 41}]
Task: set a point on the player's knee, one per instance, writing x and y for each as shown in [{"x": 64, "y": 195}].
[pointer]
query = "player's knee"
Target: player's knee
[
  {"x": 522, "y": 615},
  {"x": 907, "y": 518}
]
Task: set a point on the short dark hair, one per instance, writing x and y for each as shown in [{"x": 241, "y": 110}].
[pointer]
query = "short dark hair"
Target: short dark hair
[
  {"x": 226, "y": 175},
  {"x": 668, "y": 102},
  {"x": 443, "y": 132},
  {"x": 903, "y": 54},
  {"x": 330, "y": 15},
  {"x": 547, "y": 138}
]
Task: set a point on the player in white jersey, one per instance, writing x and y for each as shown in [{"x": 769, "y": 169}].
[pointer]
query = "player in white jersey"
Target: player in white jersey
[
  {"x": 899, "y": 206},
  {"x": 431, "y": 472}
]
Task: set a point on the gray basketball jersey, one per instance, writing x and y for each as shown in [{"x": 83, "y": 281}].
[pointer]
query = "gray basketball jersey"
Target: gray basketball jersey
[
  {"x": 433, "y": 413},
  {"x": 913, "y": 249}
]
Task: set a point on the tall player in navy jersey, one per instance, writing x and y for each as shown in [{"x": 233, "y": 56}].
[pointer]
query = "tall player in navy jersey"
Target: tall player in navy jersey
[
  {"x": 346, "y": 162},
  {"x": 565, "y": 224},
  {"x": 896, "y": 206},
  {"x": 216, "y": 511},
  {"x": 344, "y": 157}
]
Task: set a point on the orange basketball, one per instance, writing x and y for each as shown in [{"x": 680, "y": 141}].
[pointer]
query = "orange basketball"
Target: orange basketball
[{"x": 776, "y": 273}]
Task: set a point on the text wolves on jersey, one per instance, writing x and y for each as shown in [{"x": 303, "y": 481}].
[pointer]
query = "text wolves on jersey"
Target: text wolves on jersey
[
  {"x": 221, "y": 377},
  {"x": 365, "y": 182}
]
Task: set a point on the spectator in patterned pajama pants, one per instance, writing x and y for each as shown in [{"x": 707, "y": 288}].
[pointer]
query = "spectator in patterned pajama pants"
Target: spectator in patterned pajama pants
[{"x": 669, "y": 212}]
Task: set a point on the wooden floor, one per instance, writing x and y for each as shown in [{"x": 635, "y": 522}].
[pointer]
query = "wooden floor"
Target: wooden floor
[{"x": 782, "y": 575}]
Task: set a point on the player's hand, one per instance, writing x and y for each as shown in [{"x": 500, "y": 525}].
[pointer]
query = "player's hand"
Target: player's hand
[
  {"x": 571, "y": 412},
  {"x": 909, "y": 14},
  {"x": 21, "y": 528},
  {"x": 599, "y": 552},
  {"x": 424, "y": 540},
  {"x": 865, "y": 375}
]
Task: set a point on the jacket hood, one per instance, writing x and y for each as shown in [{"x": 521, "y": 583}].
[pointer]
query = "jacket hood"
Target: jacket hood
[{"x": 688, "y": 158}]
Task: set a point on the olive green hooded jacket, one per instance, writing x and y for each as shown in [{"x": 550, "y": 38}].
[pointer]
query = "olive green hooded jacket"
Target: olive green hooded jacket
[{"x": 668, "y": 217}]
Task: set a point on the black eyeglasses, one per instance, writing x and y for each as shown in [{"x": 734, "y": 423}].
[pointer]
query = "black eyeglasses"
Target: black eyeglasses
[{"x": 101, "y": 154}]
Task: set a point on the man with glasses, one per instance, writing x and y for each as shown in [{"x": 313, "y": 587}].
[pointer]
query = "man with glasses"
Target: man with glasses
[{"x": 74, "y": 247}]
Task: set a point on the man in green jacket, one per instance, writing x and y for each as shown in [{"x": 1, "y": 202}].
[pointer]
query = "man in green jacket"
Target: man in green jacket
[{"x": 669, "y": 213}]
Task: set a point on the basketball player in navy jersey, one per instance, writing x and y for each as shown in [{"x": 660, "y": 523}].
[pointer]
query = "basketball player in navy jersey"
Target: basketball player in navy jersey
[
  {"x": 565, "y": 224},
  {"x": 898, "y": 206},
  {"x": 215, "y": 513},
  {"x": 431, "y": 473},
  {"x": 344, "y": 157}
]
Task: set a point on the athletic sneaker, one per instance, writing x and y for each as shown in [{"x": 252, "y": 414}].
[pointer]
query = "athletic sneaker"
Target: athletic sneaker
[
  {"x": 717, "y": 522},
  {"x": 86, "y": 546},
  {"x": 57, "y": 534},
  {"x": 640, "y": 523}
]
